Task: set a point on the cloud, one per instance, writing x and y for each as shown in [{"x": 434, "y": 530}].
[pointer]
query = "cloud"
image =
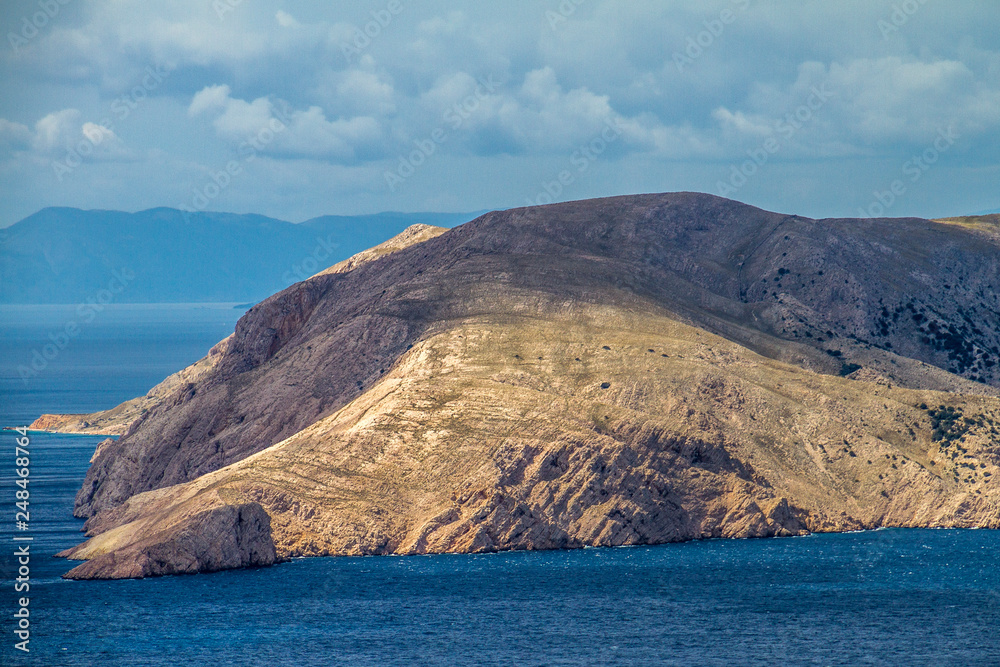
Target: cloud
[
  {"x": 209, "y": 98},
  {"x": 14, "y": 137},
  {"x": 233, "y": 118},
  {"x": 537, "y": 117},
  {"x": 311, "y": 134},
  {"x": 57, "y": 130},
  {"x": 286, "y": 20},
  {"x": 366, "y": 91},
  {"x": 556, "y": 87},
  {"x": 740, "y": 124},
  {"x": 895, "y": 99},
  {"x": 878, "y": 105},
  {"x": 59, "y": 134},
  {"x": 292, "y": 133},
  {"x": 363, "y": 89}
]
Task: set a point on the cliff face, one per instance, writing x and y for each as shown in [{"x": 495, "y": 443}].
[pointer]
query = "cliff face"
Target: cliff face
[
  {"x": 619, "y": 371},
  {"x": 216, "y": 537}
]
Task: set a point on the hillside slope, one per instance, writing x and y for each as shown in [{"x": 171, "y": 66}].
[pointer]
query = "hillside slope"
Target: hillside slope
[
  {"x": 448, "y": 396},
  {"x": 117, "y": 420}
]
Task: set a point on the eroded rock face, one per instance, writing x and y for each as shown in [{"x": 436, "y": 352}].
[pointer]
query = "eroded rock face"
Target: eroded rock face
[
  {"x": 241, "y": 405},
  {"x": 820, "y": 294},
  {"x": 630, "y": 370},
  {"x": 597, "y": 427},
  {"x": 220, "y": 538}
]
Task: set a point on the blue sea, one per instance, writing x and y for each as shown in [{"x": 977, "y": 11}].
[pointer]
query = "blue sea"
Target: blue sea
[{"x": 890, "y": 597}]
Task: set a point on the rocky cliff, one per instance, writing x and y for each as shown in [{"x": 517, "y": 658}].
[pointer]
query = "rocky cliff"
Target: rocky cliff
[{"x": 629, "y": 370}]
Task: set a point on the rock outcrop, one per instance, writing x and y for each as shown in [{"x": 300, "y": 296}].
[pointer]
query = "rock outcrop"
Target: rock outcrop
[
  {"x": 631, "y": 370},
  {"x": 216, "y": 538}
]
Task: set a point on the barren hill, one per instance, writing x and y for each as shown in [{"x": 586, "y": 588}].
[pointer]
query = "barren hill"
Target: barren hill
[{"x": 618, "y": 371}]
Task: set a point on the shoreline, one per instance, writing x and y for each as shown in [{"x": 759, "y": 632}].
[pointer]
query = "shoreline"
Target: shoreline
[
  {"x": 288, "y": 559},
  {"x": 74, "y": 433}
]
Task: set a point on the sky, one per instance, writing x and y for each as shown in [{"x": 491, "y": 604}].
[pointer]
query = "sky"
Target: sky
[{"x": 298, "y": 109}]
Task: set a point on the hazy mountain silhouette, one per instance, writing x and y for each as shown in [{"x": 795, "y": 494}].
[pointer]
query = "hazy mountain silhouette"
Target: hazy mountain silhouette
[{"x": 67, "y": 255}]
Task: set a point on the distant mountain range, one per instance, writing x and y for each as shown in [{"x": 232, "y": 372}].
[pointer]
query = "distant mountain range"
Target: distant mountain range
[{"x": 67, "y": 255}]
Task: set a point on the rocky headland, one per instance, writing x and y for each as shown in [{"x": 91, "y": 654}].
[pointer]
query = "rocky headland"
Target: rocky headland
[{"x": 630, "y": 370}]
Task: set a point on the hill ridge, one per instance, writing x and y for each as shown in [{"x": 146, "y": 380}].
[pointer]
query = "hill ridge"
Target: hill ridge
[{"x": 478, "y": 391}]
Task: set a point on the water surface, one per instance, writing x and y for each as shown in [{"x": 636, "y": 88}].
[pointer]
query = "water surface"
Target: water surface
[{"x": 893, "y": 597}]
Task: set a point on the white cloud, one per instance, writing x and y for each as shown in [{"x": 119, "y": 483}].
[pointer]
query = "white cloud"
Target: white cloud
[
  {"x": 609, "y": 62},
  {"x": 363, "y": 89},
  {"x": 894, "y": 99},
  {"x": 875, "y": 105},
  {"x": 63, "y": 131},
  {"x": 311, "y": 134},
  {"x": 538, "y": 116},
  {"x": 740, "y": 124},
  {"x": 57, "y": 130},
  {"x": 296, "y": 133},
  {"x": 58, "y": 144},
  {"x": 286, "y": 20},
  {"x": 209, "y": 98},
  {"x": 367, "y": 91}
]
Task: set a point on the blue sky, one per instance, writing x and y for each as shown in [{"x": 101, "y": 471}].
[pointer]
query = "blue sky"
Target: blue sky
[{"x": 297, "y": 109}]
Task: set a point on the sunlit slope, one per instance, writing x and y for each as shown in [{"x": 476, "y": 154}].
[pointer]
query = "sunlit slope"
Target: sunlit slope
[
  {"x": 865, "y": 319},
  {"x": 596, "y": 426}
]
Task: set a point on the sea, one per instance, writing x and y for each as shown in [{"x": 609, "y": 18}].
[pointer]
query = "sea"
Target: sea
[{"x": 887, "y": 597}]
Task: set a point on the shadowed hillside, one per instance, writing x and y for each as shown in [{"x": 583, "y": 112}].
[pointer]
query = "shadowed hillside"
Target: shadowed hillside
[{"x": 617, "y": 371}]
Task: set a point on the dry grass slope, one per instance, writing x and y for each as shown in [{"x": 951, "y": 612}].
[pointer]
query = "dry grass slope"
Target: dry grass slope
[
  {"x": 630, "y": 370},
  {"x": 601, "y": 426}
]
